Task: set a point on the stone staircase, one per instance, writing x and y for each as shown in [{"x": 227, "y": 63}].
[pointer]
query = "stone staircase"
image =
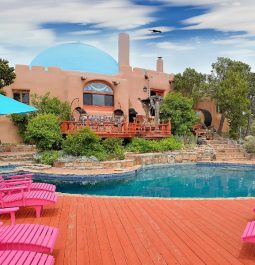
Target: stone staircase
[
  {"x": 227, "y": 150},
  {"x": 17, "y": 158}
]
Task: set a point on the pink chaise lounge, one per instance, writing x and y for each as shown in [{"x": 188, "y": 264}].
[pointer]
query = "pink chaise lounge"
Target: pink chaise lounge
[
  {"x": 249, "y": 232},
  {"x": 26, "y": 179},
  {"x": 19, "y": 257},
  {"x": 19, "y": 196},
  {"x": 28, "y": 237}
]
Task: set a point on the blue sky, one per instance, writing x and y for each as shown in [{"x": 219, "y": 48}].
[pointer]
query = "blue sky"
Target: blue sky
[{"x": 194, "y": 32}]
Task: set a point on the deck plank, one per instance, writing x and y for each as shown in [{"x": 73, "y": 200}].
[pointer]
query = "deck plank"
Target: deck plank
[{"x": 137, "y": 231}]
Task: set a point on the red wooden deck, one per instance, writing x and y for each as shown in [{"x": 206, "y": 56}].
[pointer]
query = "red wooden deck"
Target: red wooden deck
[
  {"x": 121, "y": 130},
  {"x": 132, "y": 231}
]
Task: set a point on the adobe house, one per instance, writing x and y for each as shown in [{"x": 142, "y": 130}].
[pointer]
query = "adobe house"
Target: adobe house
[{"x": 92, "y": 81}]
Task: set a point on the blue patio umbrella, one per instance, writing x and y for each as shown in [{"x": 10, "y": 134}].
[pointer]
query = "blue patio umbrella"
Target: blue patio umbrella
[{"x": 11, "y": 106}]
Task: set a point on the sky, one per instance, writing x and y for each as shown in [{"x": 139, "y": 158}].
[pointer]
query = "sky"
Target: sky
[{"x": 194, "y": 32}]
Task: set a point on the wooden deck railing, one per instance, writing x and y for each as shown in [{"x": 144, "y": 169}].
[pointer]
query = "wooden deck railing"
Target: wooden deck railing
[{"x": 120, "y": 129}]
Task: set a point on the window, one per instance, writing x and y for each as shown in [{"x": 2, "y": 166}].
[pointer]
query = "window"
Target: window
[
  {"x": 21, "y": 95},
  {"x": 98, "y": 94},
  {"x": 87, "y": 99}
]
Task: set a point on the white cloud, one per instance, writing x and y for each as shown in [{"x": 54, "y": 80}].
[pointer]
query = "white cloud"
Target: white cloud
[
  {"x": 174, "y": 46},
  {"x": 225, "y": 15},
  {"x": 85, "y": 32},
  {"x": 21, "y": 21}
]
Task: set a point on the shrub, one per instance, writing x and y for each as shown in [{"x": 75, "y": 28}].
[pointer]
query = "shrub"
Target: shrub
[
  {"x": 140, "y": 145},
  {"x": 44, "y": 131},
  {"x": 249, "y": 144},
  {"x": 45, "y": 105},
  {"x": 114, "y": 148},
  {"x": 84, "y": 142},
  {"x": 53, "y": 105},
  {"x": 47, "y": 157},
  {"x": 21, "y": 121},
  {"x": 169, "y": 144}
]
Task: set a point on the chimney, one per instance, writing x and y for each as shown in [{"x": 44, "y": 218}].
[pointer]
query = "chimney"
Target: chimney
[
  {"x": 159, "y": 64},
  {"x": 123, "y": 49}
]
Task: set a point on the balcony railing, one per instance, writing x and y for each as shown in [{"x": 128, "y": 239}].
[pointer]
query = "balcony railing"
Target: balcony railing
[{"x": 119, "y": 129}]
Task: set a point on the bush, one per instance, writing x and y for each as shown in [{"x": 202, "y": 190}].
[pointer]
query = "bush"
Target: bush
[
  {"x": 84, "y": 142},
  {"x": 46, "y": 104},
  {"x": 47, "y": 157},
  {"x": 169, "y": 144},
  {"x": 21, "y": 121},
  {"x": 140, "y": 145},
  {"x": 44, "y": 131},
  {"x": 114, "y": 148},
  {"x": 249, "y": 144}
]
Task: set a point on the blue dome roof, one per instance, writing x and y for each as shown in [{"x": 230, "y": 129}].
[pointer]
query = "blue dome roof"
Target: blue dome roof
[{"x": 77, "y": 57}]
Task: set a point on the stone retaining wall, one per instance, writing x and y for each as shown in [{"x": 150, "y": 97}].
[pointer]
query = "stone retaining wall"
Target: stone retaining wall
[
  {"x": 17, "y": 148},
  {"x": 204, "y": 153}
]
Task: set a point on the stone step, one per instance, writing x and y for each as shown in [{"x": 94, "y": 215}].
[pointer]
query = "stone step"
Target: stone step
[
  {"x": 229, "y": 157},
  {"x": 218, "y": 142},
  {"x": 232, "y": 160},
  {"x": 83, "y": 168},
  {"x": 226, "y": 149},
  {"x": 17, "y": 148}
]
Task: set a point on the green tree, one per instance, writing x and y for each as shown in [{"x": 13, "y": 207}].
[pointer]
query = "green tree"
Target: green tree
[
  {"x": 223, "y": 90},
  {"x": 191, "y": 84},
  {"x": 178, "y": 108},
  {"x": 251, "y": 97},
  {"x": 7, "y": 75},
  {"x": 43, "y": 130},
  {"x": 53, "y": 105},
  {"x": 233, "y": 92}
]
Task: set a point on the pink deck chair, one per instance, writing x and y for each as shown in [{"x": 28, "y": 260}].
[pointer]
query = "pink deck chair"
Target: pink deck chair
[
  {"x": 19, "y": 257},
  {"x": 249, "y": 232},
  {"x": 26, "y": 179},
  {"x": 28, "y": 237},
  {"x": 19, "y": 196}
]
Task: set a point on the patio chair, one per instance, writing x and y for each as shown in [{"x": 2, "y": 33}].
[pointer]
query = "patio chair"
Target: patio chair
[
  {"x": 249, "y": 232},
  {"x": 26, "y": 179},
  {"x": 20, "y": 196},
  {"x": 28, "y": 237},
  {"x": 20, "y": 257}
]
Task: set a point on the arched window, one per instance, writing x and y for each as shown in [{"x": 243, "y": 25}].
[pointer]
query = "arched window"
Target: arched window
[{"x": 98, "y": 94}]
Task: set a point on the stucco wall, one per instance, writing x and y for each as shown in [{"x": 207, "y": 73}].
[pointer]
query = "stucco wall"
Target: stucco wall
[
  {"x": 67, "y": 86},
  {"x": 211, "y": 107},
  {"x": 8, "y": 132}
]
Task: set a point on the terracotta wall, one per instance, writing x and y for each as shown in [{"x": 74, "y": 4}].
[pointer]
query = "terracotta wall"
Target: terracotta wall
[
  {"x": 8, "y": 132},
  {"x": 67, "y": 85},
  {"x": 211, "y": 107}
]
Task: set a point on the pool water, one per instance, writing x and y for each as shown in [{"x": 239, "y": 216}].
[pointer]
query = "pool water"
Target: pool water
[
  {"x": 3, "y": 169},
  {"x": 182, "y": 181}
]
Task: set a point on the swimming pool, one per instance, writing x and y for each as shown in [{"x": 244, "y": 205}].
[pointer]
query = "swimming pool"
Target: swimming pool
[
  {"x": 175, "y": 181},
  {"x": 7, "y": 168}
]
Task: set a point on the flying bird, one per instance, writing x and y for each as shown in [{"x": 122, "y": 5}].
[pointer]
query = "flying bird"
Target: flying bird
[{"x": 155, "y": 31}]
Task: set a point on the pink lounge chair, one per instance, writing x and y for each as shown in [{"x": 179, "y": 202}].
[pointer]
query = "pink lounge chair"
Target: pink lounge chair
[
  {"x": 28, "y": 237},
  {"x": 249, "y": 232},
  {"x": 26, "y": 179},
  {"x": 19, "y": 257},
  {"x": 12, "y": 212},
  {"x": 19, "y": 196}
]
